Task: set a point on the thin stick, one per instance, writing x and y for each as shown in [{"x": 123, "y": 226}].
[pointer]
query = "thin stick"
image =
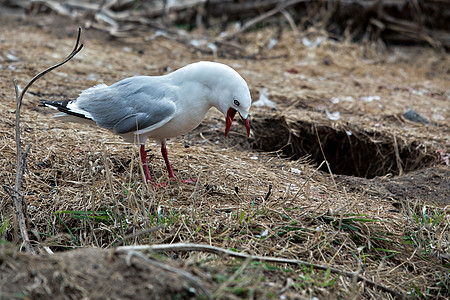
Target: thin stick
[
  {"x": 282, "y": 6},
  {"x": 74, "y": 52},
  {"x": 18, "y": 199},
  {"x": 397, "y": 157},
  {"x": 220, "y": 251},
  {"x": 307, "y": 180},
  {"x": 324, "y": 157},
  {"x": 291, "y": 22}
]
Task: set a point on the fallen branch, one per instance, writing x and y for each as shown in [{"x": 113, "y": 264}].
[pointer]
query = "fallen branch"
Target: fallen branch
[
  {"x": 225, "y": 252},
  {"x": 16, "y": 195},
  {"x": 389, "y": 20},
  {"x": 280, "y": 8}
]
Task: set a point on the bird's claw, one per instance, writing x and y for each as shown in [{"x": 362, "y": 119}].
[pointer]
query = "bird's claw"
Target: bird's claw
[{"x": 157, "y": 185}]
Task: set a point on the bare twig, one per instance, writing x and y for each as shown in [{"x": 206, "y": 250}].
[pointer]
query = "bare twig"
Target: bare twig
[
  {"x": 74, "y": 52},
  {"x": 324, "y": 157},
  {"x": 134, "y": 235},
  {"x": 291, "y": 22},
  {"x": 220, "y": 251},
  {"x": 262, "y": 17},
  {"x": 119, "y": 20},
  {"x": 307, "y": 180},
  {"x": 18, "y": 199},
  {"x": 397, "y": 157}
]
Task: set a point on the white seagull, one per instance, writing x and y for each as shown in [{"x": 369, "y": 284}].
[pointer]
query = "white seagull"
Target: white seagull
[{"x": 160, "y": 107}]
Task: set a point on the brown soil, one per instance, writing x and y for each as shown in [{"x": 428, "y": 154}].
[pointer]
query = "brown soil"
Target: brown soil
[
  {"x": 383, "y": 164},
  {"x": 87, "y": 274},
  {"x": 429, "y": 185}
]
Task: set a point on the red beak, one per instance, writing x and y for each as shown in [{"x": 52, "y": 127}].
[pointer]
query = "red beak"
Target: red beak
[{"x": 230, "y": 116}]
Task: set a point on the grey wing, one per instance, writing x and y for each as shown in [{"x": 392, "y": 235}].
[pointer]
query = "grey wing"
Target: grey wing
[
  {"x": 133, "y": 104},
  {"x": 153, "y": 118}
]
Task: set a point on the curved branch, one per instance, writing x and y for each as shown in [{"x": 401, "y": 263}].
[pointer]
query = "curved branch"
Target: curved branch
[
  {"x": 220, "y": 251},
  {"x": 18, "y": 199},
  {"x": 74, "y": 52}
]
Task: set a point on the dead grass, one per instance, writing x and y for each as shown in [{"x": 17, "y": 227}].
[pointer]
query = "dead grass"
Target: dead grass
[{"x": 84, "y": 187}]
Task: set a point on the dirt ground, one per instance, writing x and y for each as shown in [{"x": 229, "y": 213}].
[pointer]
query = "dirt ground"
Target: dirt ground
[{"x": 384, "y": 212}]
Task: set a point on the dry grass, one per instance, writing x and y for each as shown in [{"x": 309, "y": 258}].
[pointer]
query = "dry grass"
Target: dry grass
[{"x": 84, "y": 187}]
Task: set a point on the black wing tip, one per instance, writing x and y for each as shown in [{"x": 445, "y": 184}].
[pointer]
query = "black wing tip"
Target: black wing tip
[
  {"x": 61, "y": 105},
  {"x": 45, "y": 103},
  {"x": 56, "y": 104}
]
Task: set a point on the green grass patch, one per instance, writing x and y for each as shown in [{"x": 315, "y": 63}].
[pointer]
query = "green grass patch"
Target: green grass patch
[{"x": 97, "y": 216}]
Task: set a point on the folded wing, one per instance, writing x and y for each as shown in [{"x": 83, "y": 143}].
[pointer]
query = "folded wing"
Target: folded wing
[{"x": 131, "y": 105}]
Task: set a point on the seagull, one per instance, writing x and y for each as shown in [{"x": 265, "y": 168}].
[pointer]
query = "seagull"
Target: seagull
[{"x": 160, "y": 107}]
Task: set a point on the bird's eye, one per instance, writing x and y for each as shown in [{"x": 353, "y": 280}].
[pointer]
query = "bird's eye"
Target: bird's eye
[{"x": 236, "y": 102}]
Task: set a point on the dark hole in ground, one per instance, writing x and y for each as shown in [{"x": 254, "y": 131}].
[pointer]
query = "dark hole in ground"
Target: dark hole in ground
[{"x": 361, "y": 153}]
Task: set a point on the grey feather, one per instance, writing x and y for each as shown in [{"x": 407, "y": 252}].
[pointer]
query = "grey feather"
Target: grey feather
[
  {"x": 139, "y": 121},
  {"x": 149, "y": 104}
]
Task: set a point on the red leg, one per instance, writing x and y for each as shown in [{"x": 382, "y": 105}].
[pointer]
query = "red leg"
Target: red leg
[
  {"x": 166, "y": 159},
  {"x": 145, "y": 164}
]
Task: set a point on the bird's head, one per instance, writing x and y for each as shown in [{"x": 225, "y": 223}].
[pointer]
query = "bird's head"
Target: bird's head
[
  {"x": 226, "y": 89},
  {"x": 240, "y": 104},
  {"x": 231, "y": 95}
]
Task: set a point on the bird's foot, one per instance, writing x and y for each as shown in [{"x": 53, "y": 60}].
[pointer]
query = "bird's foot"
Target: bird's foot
[
  {"x": 157, "y": 185},
  {"x": 161, "y": 185}
]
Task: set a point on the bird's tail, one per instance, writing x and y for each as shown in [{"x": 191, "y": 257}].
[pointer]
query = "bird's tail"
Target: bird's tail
[{"x": 68, "y": 111}]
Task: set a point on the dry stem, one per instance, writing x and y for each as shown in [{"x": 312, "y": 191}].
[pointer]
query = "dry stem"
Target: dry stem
[
  {"x": 220, "y": 251},
  {"x": 19, "y": 200}
]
